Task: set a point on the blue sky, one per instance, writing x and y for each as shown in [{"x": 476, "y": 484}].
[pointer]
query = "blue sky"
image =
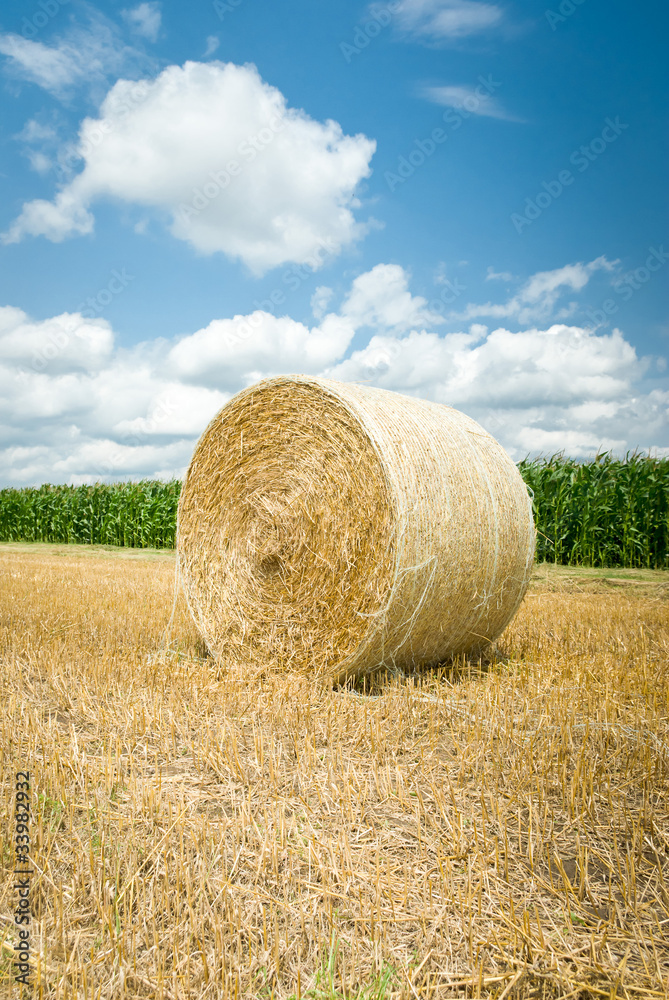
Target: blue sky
[{"x": 458, "y": 200}]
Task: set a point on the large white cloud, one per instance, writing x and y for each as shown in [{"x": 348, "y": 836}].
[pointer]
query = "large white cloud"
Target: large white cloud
[
  {"x": 63, "y": 344},
  {"x": 229, "y": 352},
  {"x": 537, "y": 391},
  {"x": 75, "y": 408},
  {"x": 516, "y": 371},
  {"x": 215, "y": 150}
]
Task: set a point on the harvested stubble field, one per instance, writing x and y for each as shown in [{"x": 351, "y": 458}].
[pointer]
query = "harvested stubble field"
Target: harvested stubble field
[{"x": 493, "y": 829}]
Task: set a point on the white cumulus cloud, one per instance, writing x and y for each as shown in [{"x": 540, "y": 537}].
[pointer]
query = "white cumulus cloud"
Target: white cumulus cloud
[
  {"x": 230, "y": 352},
  {"x": 381, "y": 298},
  {"x": 65, "y": 343},
  {"x": 538, "y": 296},
  {"x": 75, "y": 407},
  {"x": 217, "y": 149}
]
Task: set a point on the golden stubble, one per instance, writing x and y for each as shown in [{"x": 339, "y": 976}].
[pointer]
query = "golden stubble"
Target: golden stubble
[{"x": 495, "y": 829}]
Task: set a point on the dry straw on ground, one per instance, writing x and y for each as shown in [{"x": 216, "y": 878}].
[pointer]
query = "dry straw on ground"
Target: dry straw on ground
[
  {"x": 336, "y": 528},
  {"x": 202, "y": 834}
]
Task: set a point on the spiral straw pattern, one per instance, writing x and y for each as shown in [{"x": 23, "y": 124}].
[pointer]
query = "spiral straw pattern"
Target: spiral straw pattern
[{"x": 338, "y": 528}]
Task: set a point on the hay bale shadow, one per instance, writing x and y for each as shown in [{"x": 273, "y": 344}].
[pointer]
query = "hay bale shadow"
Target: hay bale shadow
[{"x": 452, "y": 670}]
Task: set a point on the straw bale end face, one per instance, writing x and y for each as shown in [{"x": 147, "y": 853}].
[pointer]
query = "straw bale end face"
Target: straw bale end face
[{"x": 336, "y": 528}]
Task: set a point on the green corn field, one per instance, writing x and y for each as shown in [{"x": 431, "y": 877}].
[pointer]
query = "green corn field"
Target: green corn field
[
  {"x": 607, "y": 512},
  {"x": 141, "y": 514}
]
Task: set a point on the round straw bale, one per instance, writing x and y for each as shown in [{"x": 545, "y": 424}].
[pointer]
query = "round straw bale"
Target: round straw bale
[{"x": 338, "y": 528}]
